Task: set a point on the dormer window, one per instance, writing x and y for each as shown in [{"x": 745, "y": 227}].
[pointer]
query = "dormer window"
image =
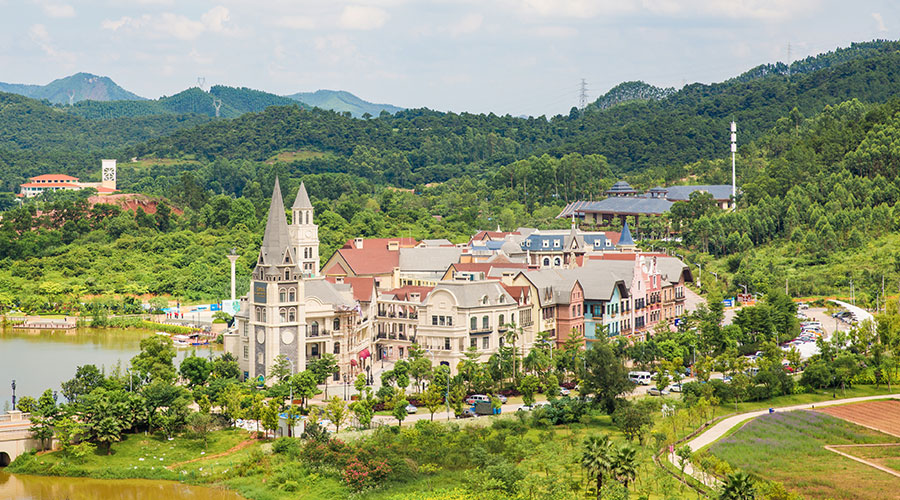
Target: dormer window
[
  {"x": 555, "y": 243},
  {"x": 287, "y": 274},
  {"x": 484, "y": 300},
  {"x": 545, "y": 244}
]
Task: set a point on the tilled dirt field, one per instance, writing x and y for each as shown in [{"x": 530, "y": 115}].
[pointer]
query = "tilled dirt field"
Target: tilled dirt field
[{"x": 880, "y": 415}]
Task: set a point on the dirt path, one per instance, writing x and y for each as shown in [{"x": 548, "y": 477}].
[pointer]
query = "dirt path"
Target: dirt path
[{"x": 238, "y": 447}]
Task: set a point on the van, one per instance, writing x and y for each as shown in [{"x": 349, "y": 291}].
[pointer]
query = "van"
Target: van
[
  {"x": 640, "y": 378},
  {"x": 477, "y": 398}
]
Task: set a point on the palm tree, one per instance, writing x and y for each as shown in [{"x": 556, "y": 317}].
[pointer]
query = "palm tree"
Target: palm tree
[
  {"x": 739, "y": 486},
  {"x": 625, "y": 463},
  {"x": 597, "y": 458}
]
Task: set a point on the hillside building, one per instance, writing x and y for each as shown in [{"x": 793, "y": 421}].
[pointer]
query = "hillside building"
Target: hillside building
[{"x": 60, "y": 182}]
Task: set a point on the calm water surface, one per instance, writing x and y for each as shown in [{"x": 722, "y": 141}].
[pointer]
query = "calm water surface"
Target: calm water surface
[
  {"x": 42, "y": 360},
  {"x": 22, "y": 487}
]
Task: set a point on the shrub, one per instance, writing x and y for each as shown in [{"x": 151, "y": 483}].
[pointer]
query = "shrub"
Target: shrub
[
  {"x": 287, "y": 446},
  {"x": 359, "y": 475}
]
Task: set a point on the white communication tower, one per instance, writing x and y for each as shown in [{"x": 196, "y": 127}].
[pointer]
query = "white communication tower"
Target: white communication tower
[
  {"x": 201, "y": 82},
  {"x": 733, "y": 151}
]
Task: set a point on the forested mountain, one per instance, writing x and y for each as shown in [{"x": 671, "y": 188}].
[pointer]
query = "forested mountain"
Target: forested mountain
[
  {"x": 234, "y": 102},
  {"x": 76, "y": 88},
  {"x": 343, "y": 101},
  {"x": 632, "y": 91}
]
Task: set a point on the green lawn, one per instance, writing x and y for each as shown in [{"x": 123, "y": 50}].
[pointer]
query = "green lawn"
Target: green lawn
[
  {"x": 137, "y": 456},
  {"x": 789, "y": 447}
]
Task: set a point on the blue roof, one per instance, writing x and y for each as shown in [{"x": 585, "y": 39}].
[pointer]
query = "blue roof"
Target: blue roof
[
  {"x": 683, "y": 193},
  {"x": 556, "y": 241},
  {"x": 625, "y": 239}
]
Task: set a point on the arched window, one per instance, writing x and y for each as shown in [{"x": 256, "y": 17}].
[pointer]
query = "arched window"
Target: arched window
[
  {"x": 501, "y": 298},
  {"x": 314, "y": 329},
  {"x": 473, "y": 323},
  {"x": 546, "y": 261},
  {"x": 337, "y": 324},
  {"x": 337, "y": 347},
  {"x": 501, "y": 323},
  {"x": 281, "y": 295},
  {"x": 287, "y": 274},
  {"x": 556, "y": 261},
  {"x": 259, "y": 314},
  {"x": 282, "y": 315},
  {"x": 484, "y": 300},
  {"x": 292, "y": 314},
  {"x": 292, "y": 295},
  {"x": 485, "y": 322}
]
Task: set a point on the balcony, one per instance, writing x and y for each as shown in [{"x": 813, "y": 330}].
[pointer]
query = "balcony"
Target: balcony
[
  {"x": 481, "y": 331},
  {"x": 320, "y": 333}
]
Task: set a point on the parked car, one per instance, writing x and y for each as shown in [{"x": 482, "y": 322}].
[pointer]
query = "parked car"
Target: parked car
[
  {"x": 564, "y": 392},
  {"x": 654, "y": 391},
  {"x": 477, "y": 398},
  {"x": 411, "y": 409},
  {"x": 502, "y": 398},
  {"x": 640, "y": 378},
  {"x": 675, "y": 387}
]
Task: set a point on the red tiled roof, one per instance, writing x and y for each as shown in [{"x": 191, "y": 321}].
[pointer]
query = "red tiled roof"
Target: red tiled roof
[
  {"x": 374, "y": 257},
  {"x": 613, "y": 236},
  {"x": 494, "y": 235},
  {"x": 624, "y": 255},
  {"x": 403, "y": 292},
  {"x": 54, "y": 177},
  {"x": 50, "y": 184},
  {"x": 516, "y": 292},
  {"x": 362, "y": 287}
]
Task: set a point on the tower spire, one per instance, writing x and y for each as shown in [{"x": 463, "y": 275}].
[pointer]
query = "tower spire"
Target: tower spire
[
  {"x": 276, "y": 239},
  {"x": 302, "y": 200}
]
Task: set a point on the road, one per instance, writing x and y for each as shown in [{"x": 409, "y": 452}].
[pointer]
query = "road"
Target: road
[{"x": 718, "y": 430}]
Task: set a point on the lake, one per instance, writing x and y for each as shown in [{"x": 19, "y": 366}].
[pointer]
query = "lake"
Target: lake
[
  {"x": 24, "y": 487},
  {"x": 42, "y": 360}
]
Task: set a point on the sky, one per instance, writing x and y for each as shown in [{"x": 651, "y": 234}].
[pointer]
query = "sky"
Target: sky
[{"x": 521, "y": 57}]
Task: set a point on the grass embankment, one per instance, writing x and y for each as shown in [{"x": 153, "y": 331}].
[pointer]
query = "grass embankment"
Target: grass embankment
[
  {"x": 886, "y": 456},
  {"x": 789, "y": 447},
  {"x": 137, "y": 456}
]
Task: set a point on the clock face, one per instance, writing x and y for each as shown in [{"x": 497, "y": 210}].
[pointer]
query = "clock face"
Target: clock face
[{"x": 309, "y": 234}]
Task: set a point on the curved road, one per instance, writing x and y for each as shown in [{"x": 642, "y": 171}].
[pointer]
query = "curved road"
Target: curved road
[{"x": 719, "y": 429}]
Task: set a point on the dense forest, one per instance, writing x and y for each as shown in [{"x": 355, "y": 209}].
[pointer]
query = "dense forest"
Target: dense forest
[{"x": 818, "y": 169}]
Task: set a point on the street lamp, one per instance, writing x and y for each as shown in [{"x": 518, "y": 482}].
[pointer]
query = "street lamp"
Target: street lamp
[
  {"x": 345, "y": 386},
  {"x": 290, "y": 421}
]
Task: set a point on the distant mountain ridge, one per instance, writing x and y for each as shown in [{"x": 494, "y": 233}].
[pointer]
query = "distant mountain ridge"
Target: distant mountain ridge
[
  {"x": 341, "y": 101},
  {"x": 72, "y": 89},
  {"x": 95, "y": 96}
]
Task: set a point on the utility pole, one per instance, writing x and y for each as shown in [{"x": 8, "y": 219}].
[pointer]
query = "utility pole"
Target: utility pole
[{"x": 582, "y": 96}]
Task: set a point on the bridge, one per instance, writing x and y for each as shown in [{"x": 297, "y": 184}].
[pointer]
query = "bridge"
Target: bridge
[{"x": 15, "y": 436}]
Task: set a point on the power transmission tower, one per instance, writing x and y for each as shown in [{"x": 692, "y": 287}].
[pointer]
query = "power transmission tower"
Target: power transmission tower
[
  {"x": 582, "y": 95},
  {"x": 201, "y": 82},
  {"x": 218, "y": 104}
]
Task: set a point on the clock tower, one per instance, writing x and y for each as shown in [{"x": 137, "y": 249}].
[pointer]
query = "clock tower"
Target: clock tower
[{"x": 305, "y": 234}]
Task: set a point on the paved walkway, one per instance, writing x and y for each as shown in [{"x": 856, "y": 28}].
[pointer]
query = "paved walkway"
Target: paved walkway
[{"x": 722, "y": 427}]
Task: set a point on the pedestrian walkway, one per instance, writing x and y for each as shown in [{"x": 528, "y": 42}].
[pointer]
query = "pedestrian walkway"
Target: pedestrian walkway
[{"x": 718, "y": 430}]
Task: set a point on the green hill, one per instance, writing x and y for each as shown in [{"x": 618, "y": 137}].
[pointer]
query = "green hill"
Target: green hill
[
  {"x": 76, "y": 88},
  {"x": 234, "y": 102},
  {"x": 342, "y": 101}
]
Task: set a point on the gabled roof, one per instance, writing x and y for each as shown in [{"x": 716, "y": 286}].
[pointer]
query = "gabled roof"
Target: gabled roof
[
  {"x": 472, "y": 293},
  {"x": 302, "y": 200},
  {"x": 55, "y": 177},
  {"x": 276, "y": 239},
  {"x": 363, "y": 287},
  {"x": 329, "y": 293},
  {"x": 554, "y": 286},
  {"x": 374, "y": 257}
]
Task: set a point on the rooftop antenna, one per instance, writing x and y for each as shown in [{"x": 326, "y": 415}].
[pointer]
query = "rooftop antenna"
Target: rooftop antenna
[
  {"x": 582, "y": 95},
  {"x": 201, "y": 82},
  {"x": 733, "y": 151},
  {"x": 218, "y": 104},
  {"x": 71, "y": 98}
]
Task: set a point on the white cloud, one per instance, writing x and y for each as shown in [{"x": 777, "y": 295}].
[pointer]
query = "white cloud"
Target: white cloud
[
  {"x": 879, "y": 22},
  {"x": 296, "y": 22},
  {"x": 580, "y": 9},
  {"x": 41, "y": 37},
  {"x": 362, "y": 17},
  {"x": 169, "y": 25},
  {"x": 335, "y": 49},
  {"x": 468, "y": 24},
  {"x": 58, "y": 10},
  {"x": 773, "y": 10}
]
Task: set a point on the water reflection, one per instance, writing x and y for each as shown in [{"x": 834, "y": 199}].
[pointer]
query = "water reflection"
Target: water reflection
[
  {"x": 24, "y": 487},
  {"x": 39, "y": 360}
]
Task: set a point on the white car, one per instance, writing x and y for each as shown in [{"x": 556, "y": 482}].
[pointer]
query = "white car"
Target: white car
[{"x": 563, "y": 391}]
